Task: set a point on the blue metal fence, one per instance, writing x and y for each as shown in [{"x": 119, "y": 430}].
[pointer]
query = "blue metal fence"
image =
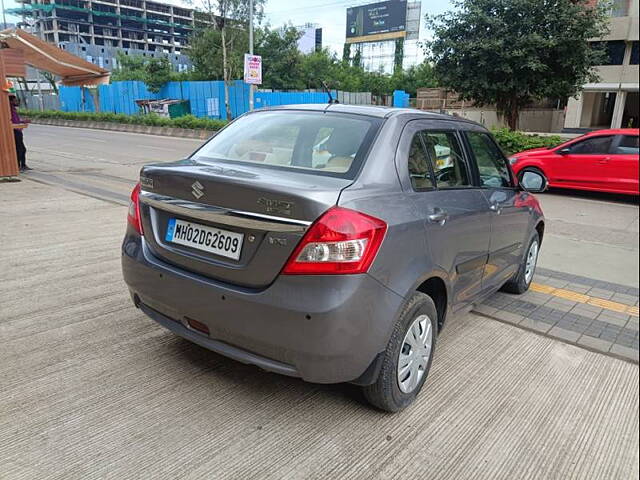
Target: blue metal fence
[
  {"x": 272, "y": 99},
  {"x": 206, "y": 98}
]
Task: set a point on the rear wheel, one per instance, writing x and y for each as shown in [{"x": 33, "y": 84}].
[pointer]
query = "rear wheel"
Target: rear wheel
[
  {"x": 408, "y": 356},
  {"x": 521, "y": 281}
]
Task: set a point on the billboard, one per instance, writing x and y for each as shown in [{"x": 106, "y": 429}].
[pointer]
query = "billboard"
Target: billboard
[{"x": 377, "y": 21}]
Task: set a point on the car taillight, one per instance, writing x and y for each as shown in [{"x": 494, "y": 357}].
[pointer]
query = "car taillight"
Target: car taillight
[
  {"x": 133, "y": 216},
  {"x": 341, "y": 241}
]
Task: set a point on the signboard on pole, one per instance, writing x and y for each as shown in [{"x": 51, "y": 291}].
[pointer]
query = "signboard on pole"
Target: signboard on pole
[{"x": 252, "y": 69}]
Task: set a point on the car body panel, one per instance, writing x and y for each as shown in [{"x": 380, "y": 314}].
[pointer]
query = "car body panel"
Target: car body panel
[{"x": 606, "y": 172}]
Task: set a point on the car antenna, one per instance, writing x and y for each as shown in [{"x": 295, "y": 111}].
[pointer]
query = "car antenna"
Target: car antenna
[{"x": 331, "y": 99}]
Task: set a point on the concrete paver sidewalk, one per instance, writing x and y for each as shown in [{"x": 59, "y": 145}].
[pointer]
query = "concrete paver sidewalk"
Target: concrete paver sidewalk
[{"x": 92, "y": 388}]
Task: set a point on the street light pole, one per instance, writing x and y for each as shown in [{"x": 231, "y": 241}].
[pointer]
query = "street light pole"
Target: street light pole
[
  {"x": 251, "y": 50},
  {"x": 4, "y": 16}
]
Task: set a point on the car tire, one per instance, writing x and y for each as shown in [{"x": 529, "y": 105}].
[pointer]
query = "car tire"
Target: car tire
[
  {"x": 389, "y": 393},
  {"x": 534, "y": 170},
  {"x": 521, "y": 281}
]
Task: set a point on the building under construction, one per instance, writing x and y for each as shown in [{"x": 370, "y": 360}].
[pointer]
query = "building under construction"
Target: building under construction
[{"x": 130, "y": 24}]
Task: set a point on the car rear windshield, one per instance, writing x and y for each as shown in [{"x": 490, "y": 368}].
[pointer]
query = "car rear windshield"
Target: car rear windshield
[{"x": 311, "y": 142}]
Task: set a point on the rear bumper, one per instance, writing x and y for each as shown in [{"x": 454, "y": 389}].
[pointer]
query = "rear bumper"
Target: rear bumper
[{"x": 324, "y": 329}]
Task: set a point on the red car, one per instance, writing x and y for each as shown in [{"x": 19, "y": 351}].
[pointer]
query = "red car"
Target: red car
[{"x": 602, "y": 161}]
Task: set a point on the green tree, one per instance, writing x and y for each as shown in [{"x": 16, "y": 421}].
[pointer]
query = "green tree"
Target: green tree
[
  {"x": 281, "y": 59},
  {"x": 128, "y": 67},
  {"x": 157, "y": 72},
  {"x": 230, "y": 18},
  {"x": 512, "y": 52}
]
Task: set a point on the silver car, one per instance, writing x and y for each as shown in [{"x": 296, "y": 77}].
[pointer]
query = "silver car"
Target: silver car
[{"x": 331, "y": 242}]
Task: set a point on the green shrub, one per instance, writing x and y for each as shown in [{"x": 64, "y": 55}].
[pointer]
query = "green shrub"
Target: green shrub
[
  {"x": 153, "y": 120},
  {"x": 514, "y": 142}
]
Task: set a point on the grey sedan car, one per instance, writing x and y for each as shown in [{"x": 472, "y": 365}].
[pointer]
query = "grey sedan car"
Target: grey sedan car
[{"x": 331, "y": 242}]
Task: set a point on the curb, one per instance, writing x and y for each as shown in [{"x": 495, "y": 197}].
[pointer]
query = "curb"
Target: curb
[{"x": 123, "y": 127}]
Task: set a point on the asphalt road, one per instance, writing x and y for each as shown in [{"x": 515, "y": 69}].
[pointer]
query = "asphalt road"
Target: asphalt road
[
  {"x": 91, "y": 388},
  {"x": 594, "y": 235}
]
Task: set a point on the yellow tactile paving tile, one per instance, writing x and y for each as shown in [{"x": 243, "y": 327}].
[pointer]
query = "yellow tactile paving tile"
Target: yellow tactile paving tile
[{"x": 581, "y": 298}]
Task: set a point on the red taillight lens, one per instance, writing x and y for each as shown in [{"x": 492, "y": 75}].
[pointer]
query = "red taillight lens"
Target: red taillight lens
[
  {"x": 133, "y": 216},
  {"x": 341, "y": 241}
]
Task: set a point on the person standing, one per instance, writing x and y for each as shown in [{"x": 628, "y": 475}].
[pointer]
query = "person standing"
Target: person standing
[{"x": 18, "y": 125}]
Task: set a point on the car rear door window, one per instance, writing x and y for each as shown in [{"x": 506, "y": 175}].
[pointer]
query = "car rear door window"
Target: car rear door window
[
  {"x": 592, "y": 146},
  {"x": 448, "y": 163},
  {"x": 420, "y": 171},
  {"x": 492, "y": 164},
  {"x": 628, "y": 145}
]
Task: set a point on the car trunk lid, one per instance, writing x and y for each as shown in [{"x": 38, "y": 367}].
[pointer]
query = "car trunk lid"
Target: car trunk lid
[{"x": 270, "y": 208}]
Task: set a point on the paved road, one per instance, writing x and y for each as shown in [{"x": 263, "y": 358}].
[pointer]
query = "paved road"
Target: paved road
[
  {"x": 591, "y": 235},
  {"x": 93, "y": 389}
]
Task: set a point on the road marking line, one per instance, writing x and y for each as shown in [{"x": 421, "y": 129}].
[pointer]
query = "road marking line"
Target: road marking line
[{"x": 586, "y": 299}]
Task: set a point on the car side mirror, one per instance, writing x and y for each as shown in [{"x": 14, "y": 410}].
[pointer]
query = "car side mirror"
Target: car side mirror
[
  {"x": 533, "y": 182},
  {"x": 564, "y": 151}
]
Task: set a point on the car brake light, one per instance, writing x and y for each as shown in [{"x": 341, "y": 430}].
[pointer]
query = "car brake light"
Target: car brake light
[
  {"x": 133, "y": 216},
  {"x": 341, "y": 241}
]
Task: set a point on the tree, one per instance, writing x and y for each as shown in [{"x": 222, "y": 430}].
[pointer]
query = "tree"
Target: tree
[
  {"x": 512, "y": 52},
  {"x": 281, "y": 59},
  {"x": 154, "y": 72},
  {"x": 230, "y": 18},
  {"x": 157, "y": 72}
]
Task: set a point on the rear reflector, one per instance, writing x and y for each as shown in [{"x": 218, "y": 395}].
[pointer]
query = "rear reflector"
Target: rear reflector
[
  {"x": 133, "y": 216},
  {"x": 196, "y": 325},
  {"x": 341, "y": 241}
]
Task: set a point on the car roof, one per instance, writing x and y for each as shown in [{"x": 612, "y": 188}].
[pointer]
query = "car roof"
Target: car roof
[
  {"x": 614, "y": 131},
  {"x": 372, "y": 111}
]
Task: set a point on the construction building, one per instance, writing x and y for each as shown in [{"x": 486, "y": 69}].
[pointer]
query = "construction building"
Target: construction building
[{"x": 95, "y": 29}]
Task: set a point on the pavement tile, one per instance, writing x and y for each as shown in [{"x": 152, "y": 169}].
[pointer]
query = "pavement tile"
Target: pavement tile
[
  {"x": 521, "y": 307},
  {"x": 536, "y": 325},
  {"x": 633, "y": 324},
  {"x": 595, "y": 343},
  {"x": 508, "y": 317},
  {"x": 610, "y": 333},
  {"x": 485, "y": 309},
  {"x": 561, "y": 304},
  {"x": 600, "y": 293},
  {"x": 578, "y": 287},
  {"x": 554, "y": 282},
  {"x": 547, "y": 315},
  {"x": 624, "y": 298},
  {"x": 625, "y": 352},
  {"x": 630, "y": 342},
  {"x": 563, "y": 334},
  {"x": 535, "y": 297},
  {"x": 584, "y": 312},
  {"x": 614, "y": 318},
  {"x": 499, "y": 300}
]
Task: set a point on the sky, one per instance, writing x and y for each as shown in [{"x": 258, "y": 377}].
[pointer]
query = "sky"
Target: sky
[{"x": 329, "y": 14}]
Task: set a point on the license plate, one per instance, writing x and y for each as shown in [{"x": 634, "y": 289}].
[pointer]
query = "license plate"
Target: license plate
[{"x": 209, "y": 239}]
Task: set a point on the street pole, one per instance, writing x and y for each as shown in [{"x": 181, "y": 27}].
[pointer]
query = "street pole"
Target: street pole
[
  {"x": 4, "y": 16},
  {"x": 251, "y": 50}
]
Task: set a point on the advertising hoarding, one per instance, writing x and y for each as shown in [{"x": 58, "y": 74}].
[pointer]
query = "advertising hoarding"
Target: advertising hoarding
[{"x": 377, "y": 21}]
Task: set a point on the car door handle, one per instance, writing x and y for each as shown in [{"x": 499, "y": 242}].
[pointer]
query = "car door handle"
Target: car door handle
[
  {"x": 438, "y": 216},
  {"x": 495, "y": 207},
  {"x": 604, "y": 160}
]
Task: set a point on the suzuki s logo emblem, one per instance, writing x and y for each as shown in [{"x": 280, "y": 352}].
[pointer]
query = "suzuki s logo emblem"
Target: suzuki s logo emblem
[{"x": 197, "y": 189}]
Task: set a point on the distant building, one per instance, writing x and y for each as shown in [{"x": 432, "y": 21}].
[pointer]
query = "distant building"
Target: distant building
[
  {"x": 96, "y": 29},
  {"x": 106, "y": 57},
  {"x": 311, "y": 39},
  {"x": 612, "y": 102}
]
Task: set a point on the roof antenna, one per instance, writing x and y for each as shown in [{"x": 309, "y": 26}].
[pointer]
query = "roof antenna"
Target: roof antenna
[{"x": 331, "y": 99}]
